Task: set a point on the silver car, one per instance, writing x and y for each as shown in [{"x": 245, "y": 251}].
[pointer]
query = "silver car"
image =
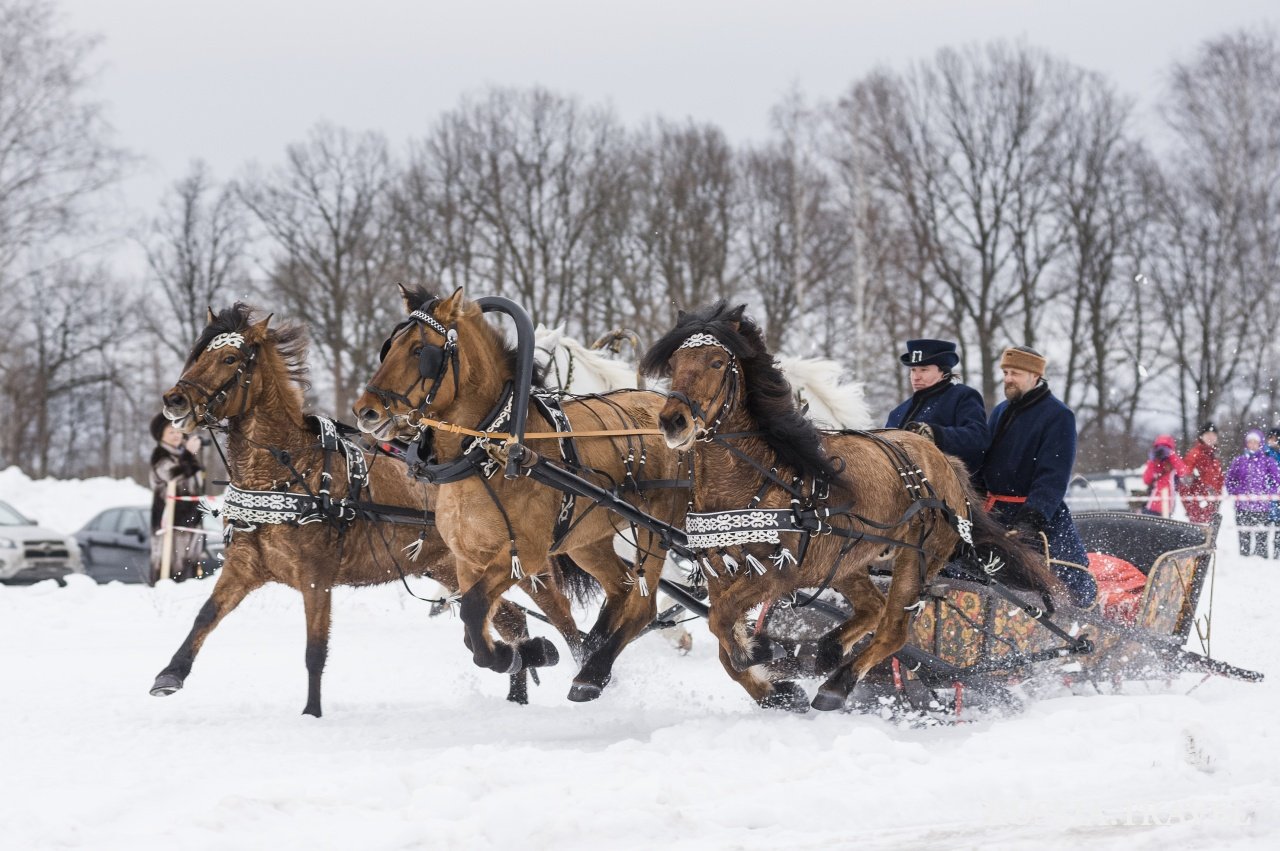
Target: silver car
[{"x": 30, "y": 553}]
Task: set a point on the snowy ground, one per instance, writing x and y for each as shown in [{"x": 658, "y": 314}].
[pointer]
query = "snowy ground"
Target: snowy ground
[{"x": 417, "y": 748}]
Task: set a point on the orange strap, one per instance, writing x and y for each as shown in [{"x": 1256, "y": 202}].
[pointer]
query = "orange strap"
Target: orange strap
[
  {"x": 503, "y": 436},
  {"x": 993, "y": 498}
]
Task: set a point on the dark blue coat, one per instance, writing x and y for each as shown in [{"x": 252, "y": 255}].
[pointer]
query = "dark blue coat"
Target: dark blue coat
[
  {"x": 957, "y": 416},
  {"x": 1031, "y": 455}
]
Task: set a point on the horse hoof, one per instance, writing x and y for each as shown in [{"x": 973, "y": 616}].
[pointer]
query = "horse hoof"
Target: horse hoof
[
  {"x": 789, "y": 696},
  {"x": 165, "y": 684},
  {"x": 827, "y": 700},
  {"x": 313, "y": 711},
  {"x": 539, "y": 653},
  {"x": 584, "y": 692}
]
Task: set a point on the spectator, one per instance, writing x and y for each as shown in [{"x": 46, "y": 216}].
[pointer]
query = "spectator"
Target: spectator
[
  {"x": 1201, "y": 486},
  {"x": 1272, "y": 448},
  {"x": 1254, "y": 479},
  {"x": 1163, "y": 464},
  {"x": 176, "y": 458}
]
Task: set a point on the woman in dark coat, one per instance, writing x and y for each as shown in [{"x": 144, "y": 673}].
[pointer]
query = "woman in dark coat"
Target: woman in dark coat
[{"x": 176, "y": 459}]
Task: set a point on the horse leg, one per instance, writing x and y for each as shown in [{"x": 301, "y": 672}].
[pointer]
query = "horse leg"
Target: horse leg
[
  {"x": 625, "y": 614},
  {"x": 551, "y": 599},
  {"x": 868, "y": 605},
  {"x": 890, "y": 633},
  {"x": 233, "y": 584},
  {"x": 477, "y": 607},
  {"x": 727, "y": 624},
  {"x": 513, "y": 626},
  {"x": 317, "y": 604}
]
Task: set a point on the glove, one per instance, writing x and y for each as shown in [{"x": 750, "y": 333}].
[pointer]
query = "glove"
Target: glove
[
  {"x": 922, "y": 429},
  {"x": 1030, "y": 523}
]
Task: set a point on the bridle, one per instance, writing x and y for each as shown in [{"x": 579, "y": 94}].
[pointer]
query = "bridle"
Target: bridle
[
  {"x": 433, "y": 361},
  {"x": 728, "y": 386},
  {"x": 203, "y": 408}
]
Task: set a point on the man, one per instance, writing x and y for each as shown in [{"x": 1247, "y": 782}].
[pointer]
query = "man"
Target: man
[
  {"x": 1201, "y": 487},
  {"x": 949, "y": 413},
  {"x": 1028, "y": 465},
  {"x": 175, "y": 459}
]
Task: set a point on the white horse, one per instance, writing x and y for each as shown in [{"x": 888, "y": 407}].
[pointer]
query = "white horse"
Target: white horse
[{"x": 818, "y": 384}]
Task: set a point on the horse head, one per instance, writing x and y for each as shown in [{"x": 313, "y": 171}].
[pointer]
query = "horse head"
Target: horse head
[
  {"x": 421, "y": 369},
  {"x": 700, "y": 357},
  {"x": 218, "y": 379}
]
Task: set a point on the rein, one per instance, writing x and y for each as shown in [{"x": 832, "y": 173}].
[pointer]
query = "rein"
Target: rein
[{"x": 503, "y": 437}]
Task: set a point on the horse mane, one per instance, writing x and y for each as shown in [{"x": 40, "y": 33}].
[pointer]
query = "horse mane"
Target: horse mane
[
  {"x": 833, "y": 402},
  {"x": 766, "y": 394},
  {"x": 289, "y": 341},
  {"x": 418, "y": 297}
]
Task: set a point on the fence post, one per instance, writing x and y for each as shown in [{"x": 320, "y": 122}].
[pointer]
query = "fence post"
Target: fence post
[{"x": 166, "y": 528}]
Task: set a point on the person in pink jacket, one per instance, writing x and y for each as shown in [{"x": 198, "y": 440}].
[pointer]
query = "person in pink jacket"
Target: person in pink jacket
[{"x": 1163, "y": 464}]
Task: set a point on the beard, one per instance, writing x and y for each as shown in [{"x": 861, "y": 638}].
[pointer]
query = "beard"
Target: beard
[{"x": 1012, "y": 392}]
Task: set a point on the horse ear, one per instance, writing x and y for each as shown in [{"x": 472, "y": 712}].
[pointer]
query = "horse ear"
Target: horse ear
[
  {"x": 209, "y": 320},
  {"x": 735, "y": 316},
  {"x": 451, "y": 307},
  {"x": 260, "y": 328},
  {"x": 406, "y": 296},
  {"x": 681, "y": 316}
]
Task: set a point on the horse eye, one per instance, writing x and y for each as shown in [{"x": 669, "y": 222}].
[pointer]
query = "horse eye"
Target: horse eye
[
  {"x": 417, "y": 350},
  {"x": 229, "y": 359},
  {"x": 717, "y": 364}
]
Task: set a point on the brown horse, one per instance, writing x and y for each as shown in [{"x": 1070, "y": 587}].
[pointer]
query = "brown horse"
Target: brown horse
[
  {"x": 448, "y": 363},
  {"x": 753, "y": 449},
  {"x": 252, "y": 376}
]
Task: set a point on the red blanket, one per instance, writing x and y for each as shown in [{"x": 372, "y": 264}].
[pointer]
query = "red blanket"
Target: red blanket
[{"x": 1120, "y": 586}]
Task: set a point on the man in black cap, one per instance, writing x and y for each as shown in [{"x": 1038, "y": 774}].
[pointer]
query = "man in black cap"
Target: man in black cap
[
  {"x": 176, "y": 459},
  {"x": 949, "y": 413}
]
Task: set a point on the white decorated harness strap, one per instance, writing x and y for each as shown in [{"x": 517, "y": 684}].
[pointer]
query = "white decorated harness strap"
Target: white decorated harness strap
[
  {"x": 223, "y": 340},
  {"x": 730, "y": 528},
  {"x": 246, "y": 510},
  {"x": 429, "y": 320},
  {"x": 702, "y": 339}
]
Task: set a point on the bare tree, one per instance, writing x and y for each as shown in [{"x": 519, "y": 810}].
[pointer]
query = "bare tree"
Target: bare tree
[
  {"x": 324, "y": 215},
  {"x": 66, "y": 350},
  {"x": 1218, "y": 257},
  {"x": 55, "y": 150},
  {"x": 965, "y": 146},
  {"x": 197, "y": 251},
  {"x": 792, "y": 238}
]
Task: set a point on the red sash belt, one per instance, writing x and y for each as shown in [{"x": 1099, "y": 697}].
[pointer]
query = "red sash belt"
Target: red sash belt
[{"x": 993, "y": 498}]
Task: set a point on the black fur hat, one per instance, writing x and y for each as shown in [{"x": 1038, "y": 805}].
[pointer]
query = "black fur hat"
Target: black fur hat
[{"x": 158, "y": 422}]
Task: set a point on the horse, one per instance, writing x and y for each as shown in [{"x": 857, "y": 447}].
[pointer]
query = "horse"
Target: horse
[
  {"x": 762, "y": 472},
  {"x": 819, "y": 389},
  {"x": 818, "y": 384},
  {"x": 447, "y": 363},
  {"x": 253, "y": 377}
]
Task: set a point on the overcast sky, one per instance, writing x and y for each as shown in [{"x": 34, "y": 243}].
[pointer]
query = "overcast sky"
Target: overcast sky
[{"x": 235, "y": 80}]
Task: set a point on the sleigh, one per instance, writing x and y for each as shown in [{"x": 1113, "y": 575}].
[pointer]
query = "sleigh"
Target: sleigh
[{"x": 973, "y": 638}]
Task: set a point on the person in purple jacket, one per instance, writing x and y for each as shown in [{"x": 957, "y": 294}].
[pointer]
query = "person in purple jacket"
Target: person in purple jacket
[{"x": 1254, "y": 479}]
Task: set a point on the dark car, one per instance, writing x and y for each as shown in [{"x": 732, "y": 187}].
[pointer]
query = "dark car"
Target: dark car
[{"x": 116, "y": 545}]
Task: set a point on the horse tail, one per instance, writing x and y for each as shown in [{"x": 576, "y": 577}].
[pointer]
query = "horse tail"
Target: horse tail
[
  {"x": 579, "y": 586},
  {"x": 1026, "y": 567}
]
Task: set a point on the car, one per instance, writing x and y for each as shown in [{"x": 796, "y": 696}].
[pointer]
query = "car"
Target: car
[
  {"x": 1114, "y": 490},
  {"x": 116, "y": 545},
  {"x": 30, "y": 552}
]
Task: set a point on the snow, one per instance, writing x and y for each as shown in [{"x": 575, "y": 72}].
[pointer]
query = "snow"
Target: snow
[
  {"x": 66, "y": 505},
  {"x": 418, "y": 749}
]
